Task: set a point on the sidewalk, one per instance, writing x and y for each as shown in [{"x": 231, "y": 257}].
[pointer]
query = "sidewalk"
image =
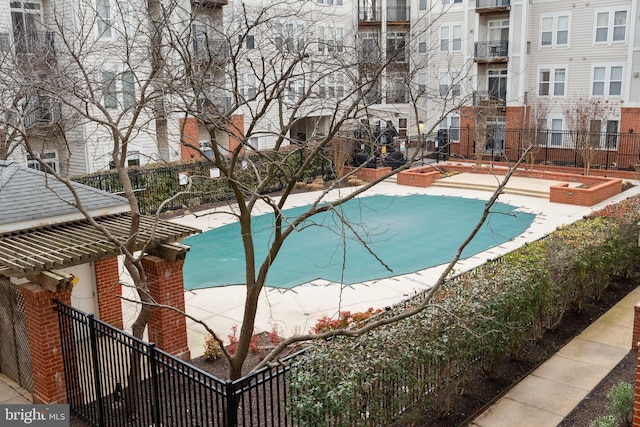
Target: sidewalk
[{"x": 549, "y": 394}]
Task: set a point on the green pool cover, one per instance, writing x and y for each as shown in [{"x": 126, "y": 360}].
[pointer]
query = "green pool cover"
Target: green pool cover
[{"x": 408, "y": 233}]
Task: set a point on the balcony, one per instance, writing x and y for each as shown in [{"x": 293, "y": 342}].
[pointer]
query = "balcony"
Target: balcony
[
  {"x": 492, "y": 6},
  {"x": 370, "y": 15},
  {"x": 43, "y": 112},
  {"x": 483, "y": 98},
  {"x": 210, "y": 52},
  {"x": 397, "y": 96},
  {"x": 398, "y": 13},
  {"x": 216, "y": 105},
  {"x": 209, "y": 3},
  {"x": 38, "y": 43},
  {"x": 491, "y": 52}
]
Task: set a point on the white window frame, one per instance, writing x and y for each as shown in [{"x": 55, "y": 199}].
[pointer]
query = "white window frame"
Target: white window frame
[
  {"x": 555, "y": 29},
  {"x": 399, "y": 39},
  {"x": 121, "y": 92},
  {"x": 452, "y": 125},
  {"x": 423, "y": 5},
  {"x": 611, "y": 26},
  {"x": 50, "y": 157},
  {"x": 448, "y": 2},
  {"x": 607, "y": 81},
  {"x": 446, "y": 85},
  {"x": 451, "y": 38},
  {"x": 554, "y": 80}
]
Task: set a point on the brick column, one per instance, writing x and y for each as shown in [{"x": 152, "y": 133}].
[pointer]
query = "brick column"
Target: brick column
[
  {"x": 109, "y": 291},
  {"x": 191, "y": 136},
  {"x": 635, "y": 340},
  {"x": 44, "y": 343},
  {"x": 167, "y": 328},
  {"x": 636, "y": 400}
]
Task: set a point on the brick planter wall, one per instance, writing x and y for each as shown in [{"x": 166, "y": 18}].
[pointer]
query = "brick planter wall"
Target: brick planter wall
[
  {"x": 562, "y": 193},
  {"x": 367, "y": 174},
  {"x": 167, "y": 328},
  {"x": 418, "y": 177}
]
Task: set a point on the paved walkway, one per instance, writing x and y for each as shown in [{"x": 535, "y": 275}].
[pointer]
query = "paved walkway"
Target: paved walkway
[{"x": 549, "y": 394}]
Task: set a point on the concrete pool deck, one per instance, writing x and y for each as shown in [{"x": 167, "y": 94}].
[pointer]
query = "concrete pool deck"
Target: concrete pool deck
[{"x": 296, "y": 310}]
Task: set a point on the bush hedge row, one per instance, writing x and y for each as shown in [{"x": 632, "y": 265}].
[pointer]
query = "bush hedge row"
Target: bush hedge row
[{"x": 477, "y": 318}]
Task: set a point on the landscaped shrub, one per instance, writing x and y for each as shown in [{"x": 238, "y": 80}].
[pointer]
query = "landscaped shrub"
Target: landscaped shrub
[
  {"x": 475, "y": 319},
  {"x": 620, "y": 406}
]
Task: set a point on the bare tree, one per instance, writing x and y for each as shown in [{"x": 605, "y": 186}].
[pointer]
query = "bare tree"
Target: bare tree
[
  {"x": 587, "y": 122},
  {"x": 533, "y": 128}
]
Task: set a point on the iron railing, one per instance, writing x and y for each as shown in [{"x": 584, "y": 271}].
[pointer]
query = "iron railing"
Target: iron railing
[
  {"x": 486, "y": 4},
  {"x": 31, "y": 42},
  {"x": 600, "y": 150},
  {"x": 115, "y": 379},
  {"x": 491, "y": 49},
  {"x": 398, "y": 13},
  {"x": 370, "y": 14}
]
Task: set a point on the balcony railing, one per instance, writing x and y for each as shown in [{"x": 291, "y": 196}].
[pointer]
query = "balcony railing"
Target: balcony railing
[
  {"x": 487, "y": 4},
  {"x": 397, "y": 97},
  {"x": 205, "y": 51},
  {"x": 398, "y": 13},
  {"x": 34, "y": 42},
  {"x": 44, "y": 111},
  {"x": 491, "y": 50},
  {"x": 370, "y": 14},
  {"x": 483, "y": 98}
]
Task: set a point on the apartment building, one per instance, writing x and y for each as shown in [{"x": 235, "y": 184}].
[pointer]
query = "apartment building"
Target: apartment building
[
  {"x": 81, "y": 77},
  {"x": 268, "y": 74},
  {"x": 486, "y": 62}
]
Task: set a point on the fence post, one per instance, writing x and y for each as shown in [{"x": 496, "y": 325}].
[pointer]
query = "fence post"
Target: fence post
[
  {"x": 96, "y": 369},
  {"x": 232, "y": 406},
  {"x": 154, "y": 379}
]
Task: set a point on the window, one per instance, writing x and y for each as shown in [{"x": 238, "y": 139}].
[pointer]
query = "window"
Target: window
[
  {"x": 289, "y": 37},
  {"x": 607, "y": 80},
  {"x": 396, "y": 48},
  {"x": 369, "y": 46},
  {"x": 556, "y": 132},
  {"x": 611, "y": 26},
  {"x": 555, "y": 30},
  {"x": 330, "y": 39},
  {"x": 248, "y": 86},
  {"x": 447, "y": 88},
  {"x": 254, "y": 142},
  {"x": 50, "y": 157},
  {"x": 422, "y": 84},
  {"x": 446, "y": 2},
  {"x": 115, "y": 85},
  {"x": 334, "y": 85},
  {"x": 552, "y": 82},
  {"x": 128, "y": 89},
  {"x": 422, "y": 45},
  {"x": 452, "y": 124},
  {"x": 422, "y": 4},
  {"x": 247, "y": 40},
  {"x": 451, "y": 38},
  {"x": 109, "y": 91},
  {"x": 103, "y": 18},
  {"x": 133, "y": 158}
]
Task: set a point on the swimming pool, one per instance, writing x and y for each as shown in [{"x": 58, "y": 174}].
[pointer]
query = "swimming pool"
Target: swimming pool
[{"x": 408, "y": 233}]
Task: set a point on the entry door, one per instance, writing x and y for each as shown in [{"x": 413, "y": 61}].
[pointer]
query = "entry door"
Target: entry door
[{"x": 498, "y": 85}]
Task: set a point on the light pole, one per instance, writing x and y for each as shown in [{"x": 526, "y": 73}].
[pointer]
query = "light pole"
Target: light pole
[{"x": 421, "y": 140}]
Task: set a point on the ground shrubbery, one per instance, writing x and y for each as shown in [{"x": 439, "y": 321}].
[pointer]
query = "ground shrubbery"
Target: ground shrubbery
[{"x": 476, "y": 319}]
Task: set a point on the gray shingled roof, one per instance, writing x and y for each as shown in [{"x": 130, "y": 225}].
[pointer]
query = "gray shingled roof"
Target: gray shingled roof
[{"x": 30, "y": 196}]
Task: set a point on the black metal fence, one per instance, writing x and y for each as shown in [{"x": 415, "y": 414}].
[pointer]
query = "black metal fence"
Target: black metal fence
[
  {"x": 600, "y": 150},
  {"x": 156, "y": 184},
  {"x": 115, "y": 379}
]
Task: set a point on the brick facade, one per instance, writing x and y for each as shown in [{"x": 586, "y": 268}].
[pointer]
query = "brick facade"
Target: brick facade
[
  {"x": 44, "y": 343},
  {"x": 109, "y": 291},
  {"x": 191, "y": 136},
  {"x": 167, "y": 328}
]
